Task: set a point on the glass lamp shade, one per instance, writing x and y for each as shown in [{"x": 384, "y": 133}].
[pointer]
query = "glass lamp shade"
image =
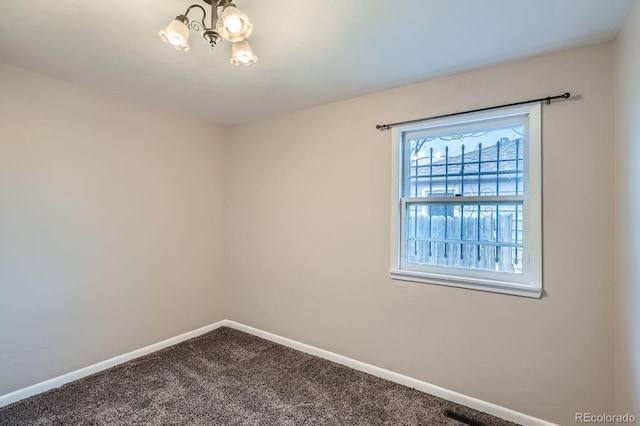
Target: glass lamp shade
[
  {"x": 176, "y": 34},
  {"x": 234, "y": 25},
  {"x": 242, "y": 54}
]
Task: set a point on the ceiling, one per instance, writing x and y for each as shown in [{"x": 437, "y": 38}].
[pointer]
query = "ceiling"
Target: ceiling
[{"x": 310, "y": 52}]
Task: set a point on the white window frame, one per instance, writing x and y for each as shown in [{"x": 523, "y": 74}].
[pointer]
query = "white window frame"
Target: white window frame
[{"x": 529, "y": 283}]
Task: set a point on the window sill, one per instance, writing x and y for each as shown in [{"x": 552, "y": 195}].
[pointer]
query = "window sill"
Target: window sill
[{"x": 492, "y": 286}]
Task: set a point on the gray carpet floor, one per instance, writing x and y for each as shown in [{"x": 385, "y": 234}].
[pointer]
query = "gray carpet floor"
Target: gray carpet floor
[{"x": 227, "y": 377}]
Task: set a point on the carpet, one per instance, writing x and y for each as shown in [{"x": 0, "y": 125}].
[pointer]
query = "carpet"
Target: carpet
[{"x": 227, "y": 377}]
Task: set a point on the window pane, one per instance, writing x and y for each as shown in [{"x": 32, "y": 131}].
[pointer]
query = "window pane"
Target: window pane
[
  {"x": 477, "y": 236},
  {"x": 482, "y": 163}
]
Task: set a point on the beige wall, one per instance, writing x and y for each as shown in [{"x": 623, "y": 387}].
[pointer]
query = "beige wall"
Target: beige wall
[
  {"x": 627, "y": 184},
  {"x": 117, "y": 231},
  {"x": 310, "y": 195},
  {"x": 111, "y": 227}
]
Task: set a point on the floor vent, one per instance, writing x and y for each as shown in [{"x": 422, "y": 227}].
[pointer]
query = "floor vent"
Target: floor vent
[{"x": 462, "y": 418}]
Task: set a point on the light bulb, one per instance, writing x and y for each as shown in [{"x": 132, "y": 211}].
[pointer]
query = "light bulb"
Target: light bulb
[
  {"x": 177, "y": 33},
  {"x": 233, "y": 24},
  {"x": 242, "y": 54}
]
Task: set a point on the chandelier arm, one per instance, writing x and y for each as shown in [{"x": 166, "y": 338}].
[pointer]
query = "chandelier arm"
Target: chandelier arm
[
  {"x": 215, "y": 5},
  {"x": 204, "y": 13},
  {"x": 214, "y": 12}
]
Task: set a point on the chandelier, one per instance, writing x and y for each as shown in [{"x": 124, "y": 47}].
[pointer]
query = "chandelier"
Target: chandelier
[{"x": 226, "y": 23}]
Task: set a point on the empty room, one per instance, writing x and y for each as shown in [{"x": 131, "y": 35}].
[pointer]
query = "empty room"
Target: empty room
[{"x": 305, "y": 212}]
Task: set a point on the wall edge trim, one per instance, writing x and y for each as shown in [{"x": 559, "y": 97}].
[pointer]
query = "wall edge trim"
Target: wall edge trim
[
  {"x": 63, "y": 379},
  {"x": 449, "y": 395},
  {"x": 392, "y": 376}
]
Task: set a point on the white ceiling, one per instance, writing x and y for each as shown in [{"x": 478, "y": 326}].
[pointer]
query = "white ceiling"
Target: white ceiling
[{"x": 310, "y": 52}]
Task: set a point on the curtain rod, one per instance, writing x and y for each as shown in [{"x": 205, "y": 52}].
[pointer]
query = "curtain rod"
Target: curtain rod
[{"x": 548, "y": 100}]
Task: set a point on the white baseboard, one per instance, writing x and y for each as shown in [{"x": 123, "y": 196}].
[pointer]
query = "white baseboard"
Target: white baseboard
[
  {"x": 458, "y": 398},
  {"x": 443, "y": 393},
  {"x": 56, "y": 382}
]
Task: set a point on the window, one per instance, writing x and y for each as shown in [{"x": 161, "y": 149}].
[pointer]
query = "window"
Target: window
[{"x": 466, "y": 206}]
